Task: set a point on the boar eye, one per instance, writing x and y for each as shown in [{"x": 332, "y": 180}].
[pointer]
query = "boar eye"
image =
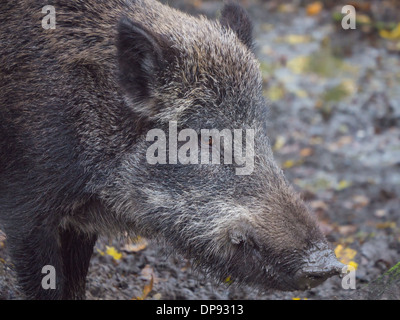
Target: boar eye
[{"x": 206, "y": 141}]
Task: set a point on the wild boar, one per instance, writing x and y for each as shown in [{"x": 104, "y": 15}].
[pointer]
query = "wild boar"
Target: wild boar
[{"x": 77, "y": 104}]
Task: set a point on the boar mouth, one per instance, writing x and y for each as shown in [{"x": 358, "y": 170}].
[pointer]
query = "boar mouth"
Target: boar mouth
[{"x": 319, "y": 265}]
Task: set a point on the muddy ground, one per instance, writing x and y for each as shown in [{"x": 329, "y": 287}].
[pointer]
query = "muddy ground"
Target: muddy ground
[{"x": 334, "y": 99}]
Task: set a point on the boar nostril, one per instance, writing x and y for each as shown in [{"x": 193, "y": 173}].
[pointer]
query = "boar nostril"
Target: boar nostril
[
  {"x": 311, "y": 277},
  {"x": 330, "y": 269},
  {"x": 318, "y": 267}
]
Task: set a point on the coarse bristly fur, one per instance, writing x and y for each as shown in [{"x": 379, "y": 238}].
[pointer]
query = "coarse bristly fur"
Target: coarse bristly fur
[{"x": 76, "y": 103}]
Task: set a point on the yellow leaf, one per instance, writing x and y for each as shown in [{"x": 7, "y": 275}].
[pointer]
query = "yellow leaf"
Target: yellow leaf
[
  {"x": 296, "y": 298},
  {"x": 288, "y": 164},
  {"x": 314, "y": 8},
  {"x": 111, "y": 251},
  {"x": 287, "y": 8},
  {"x": 346, "y": 255},
  {"x": 343, "y": 184},
  {"x": 275, "y": 93},
  {"x": 391, "y": 35},
  {"x": 353, "y": 264},
  {"x": 279, "y": 143},
  {"x": 297, "y": 39},
  {"x": 146, "y": 290},
  {"x": 363, "y": 19},
  {"x": 386, "y": 225},
  {"x": 338, "y": 250},
  {"x": 228, "y": 280},
  {"x": 301, "y": 93},
  {"x": 299, "y": 65}
]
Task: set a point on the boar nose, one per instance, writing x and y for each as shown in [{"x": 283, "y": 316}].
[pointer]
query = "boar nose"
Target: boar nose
[{"x": 319, "y": 266}]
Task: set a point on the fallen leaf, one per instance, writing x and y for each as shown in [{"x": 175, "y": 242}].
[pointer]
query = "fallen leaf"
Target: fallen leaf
[
  {"x": 288, "y": 164},
  {"x": 267, "y": 27},
  {"x": 157, "y": 296},
  {"x": 186, "y": 267},
  {"x": 386, "y": 225},
  {"x": 316, "y": 140},
  {"x": 135, "y": 245},
  {"x": 380, "y": 213},
  {"x": 228, "y": 280},
  {"x": 297, "y": 39},
  {"x": 364, "y": 6},
  {"x": 275, "y": 93},
  {"x": 295, "y": 163},
  {"x": 197, "y": 3},
  {"x": 314, "y": 8},
  {"x": 392, "y": 34},
  {"x": 111, "y": 251},
  {"x": 146, "y": 290},
  {"x": 301, "y": 93},
  {"x": 279, "y": 143},
  {"x": 346, "y": 255},
  {"x": 363, "y": 19},
  {"x": 318, "y": 205},
  {"x": 340, "y": 142},
  {"x": 147, "y": 272},
  {"x": 325, "y": 226},
  {"x": 2, "y": 239},
  {"x": 299, "y": 65},
  {"x": 343, "y": 184},
  {"x": 306, "y": 152},
  {"x": 287, "y": 8},
  {"x": 353, "y": 264},
  {"x": 344, "y": 140},
  {"x": 360, "y": 201},
  {"x": 347, "y": 229}
]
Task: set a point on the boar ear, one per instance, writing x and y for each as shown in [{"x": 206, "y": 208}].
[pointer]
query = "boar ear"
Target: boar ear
[
  {"x": 140, "y": 57},
  {"x": 236, "y": 18}
]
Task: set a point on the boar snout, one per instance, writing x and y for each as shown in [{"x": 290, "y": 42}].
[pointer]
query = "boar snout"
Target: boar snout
[{"x": 318, "y": 266}]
